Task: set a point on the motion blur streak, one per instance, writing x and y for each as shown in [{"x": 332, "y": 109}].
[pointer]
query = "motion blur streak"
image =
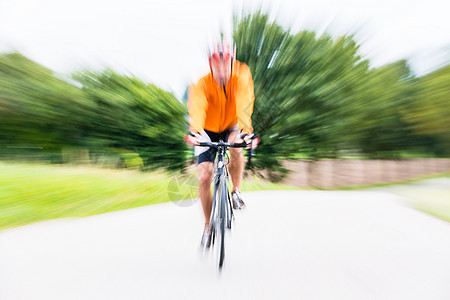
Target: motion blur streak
[{"x": 315, "y": 97}]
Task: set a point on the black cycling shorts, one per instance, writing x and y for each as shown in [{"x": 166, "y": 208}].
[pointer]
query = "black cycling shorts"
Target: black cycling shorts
[{"x": 210, "y": 154}]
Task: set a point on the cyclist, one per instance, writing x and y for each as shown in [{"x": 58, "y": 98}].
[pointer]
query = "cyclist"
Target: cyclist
[{"x": 220, "y": 107}]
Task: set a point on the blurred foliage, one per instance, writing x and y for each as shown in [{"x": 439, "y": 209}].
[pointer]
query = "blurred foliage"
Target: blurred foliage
[
  {"x": 35, "y": 105},
  {"x": 316, "y": 95},
  {"x": 108, "y": 114},
  {"x": 429, "y": 112},
  {"x": 130, "y": 114}
]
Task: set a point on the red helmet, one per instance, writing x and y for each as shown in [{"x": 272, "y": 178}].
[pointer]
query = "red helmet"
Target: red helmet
[{"x": 223, "y": 50}]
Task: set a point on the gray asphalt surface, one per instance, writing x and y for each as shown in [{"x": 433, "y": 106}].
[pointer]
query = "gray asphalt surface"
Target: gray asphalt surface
[{"x": 285, "y": 245}]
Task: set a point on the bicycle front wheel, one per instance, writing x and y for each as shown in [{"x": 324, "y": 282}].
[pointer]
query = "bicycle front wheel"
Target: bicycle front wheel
[{"x": 222, "y": 219}]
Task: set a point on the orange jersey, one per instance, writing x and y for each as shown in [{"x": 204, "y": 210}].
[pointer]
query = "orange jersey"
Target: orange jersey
[{"x": 217, "y": 109}]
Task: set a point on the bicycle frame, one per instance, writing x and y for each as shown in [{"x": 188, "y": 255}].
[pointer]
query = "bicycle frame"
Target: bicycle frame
[
  {"x": 221, "y": 176},
  {"x": 222, "y": 209}
]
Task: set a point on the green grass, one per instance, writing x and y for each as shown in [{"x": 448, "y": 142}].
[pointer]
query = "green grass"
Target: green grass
[
  {"x": 255, "y": 184},
  {"x": 435, "y": 202},
  {"x": 31, "y": 193}
]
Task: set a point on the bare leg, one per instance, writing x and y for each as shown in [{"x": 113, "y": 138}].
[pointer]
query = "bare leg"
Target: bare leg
[
  {"x": 205, "y": 170},
  {"x": 236, "y": 166}
]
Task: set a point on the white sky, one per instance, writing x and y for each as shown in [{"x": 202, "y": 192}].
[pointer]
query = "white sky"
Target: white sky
[{"x": 164, "y": 41}]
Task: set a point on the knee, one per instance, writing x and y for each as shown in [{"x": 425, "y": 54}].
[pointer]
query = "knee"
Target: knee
[
  {"x": 205, "y": 174},
  {"x": 235, "y": 153}
]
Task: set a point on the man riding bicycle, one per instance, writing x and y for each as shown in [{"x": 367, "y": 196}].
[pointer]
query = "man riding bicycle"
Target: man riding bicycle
[{"x": 220, "y": 107}]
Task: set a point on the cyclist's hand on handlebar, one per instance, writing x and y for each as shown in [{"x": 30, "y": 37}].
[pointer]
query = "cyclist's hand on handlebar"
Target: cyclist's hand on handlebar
[
  {"x": 251, "y": 140},
  {"x": 248, "y": 138},
  {"x": 192, "y": 139}
]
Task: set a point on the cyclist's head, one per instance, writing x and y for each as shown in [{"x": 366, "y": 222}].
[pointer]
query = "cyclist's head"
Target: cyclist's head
[{"x": 221, "y": 60}]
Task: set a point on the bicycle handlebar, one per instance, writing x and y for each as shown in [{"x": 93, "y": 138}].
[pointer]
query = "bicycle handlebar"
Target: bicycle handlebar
[
  {"x": 223, "y": 144},
  {"x": 231, "y": 145},
  {"x": 251, "y": 151}
]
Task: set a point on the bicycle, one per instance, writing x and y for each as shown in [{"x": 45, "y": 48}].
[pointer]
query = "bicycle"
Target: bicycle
[{"x": 222, "y": 210}]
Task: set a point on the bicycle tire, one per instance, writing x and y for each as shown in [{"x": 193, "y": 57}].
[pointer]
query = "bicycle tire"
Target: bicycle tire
[
  {"x": 229, "y": 211},
  {"x": 214, "y": 214},
  {"x": 222, "y": 220}
]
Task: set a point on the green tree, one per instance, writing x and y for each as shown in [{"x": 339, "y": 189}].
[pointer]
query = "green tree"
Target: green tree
[
  {"x": 37, "y": 108},
  {"x": 429, "y": 112},
  {"x": 131, "y": 114},
  {"x": 305, "y": 87},
  {"x": 105, "y": 112}
]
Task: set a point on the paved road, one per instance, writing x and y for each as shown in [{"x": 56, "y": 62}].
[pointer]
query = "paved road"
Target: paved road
[
  {"x": 441, "y": 184},
  {"x": 285, "y": 245}
]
